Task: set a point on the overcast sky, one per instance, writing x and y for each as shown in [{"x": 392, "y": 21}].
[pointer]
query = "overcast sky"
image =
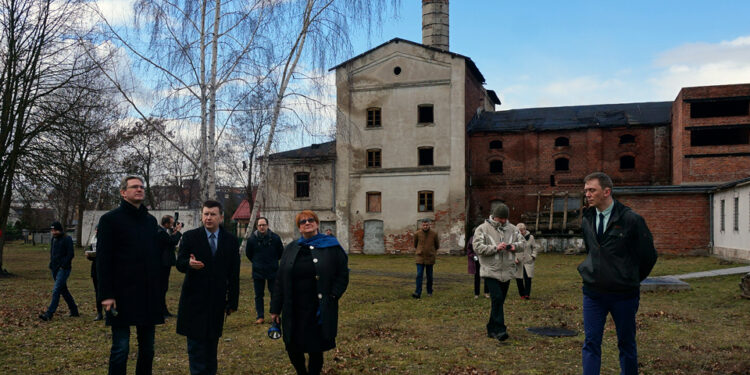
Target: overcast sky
[{"x": 556, "y": 53}]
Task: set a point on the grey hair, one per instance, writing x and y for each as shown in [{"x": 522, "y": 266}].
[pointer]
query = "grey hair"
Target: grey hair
[{"x": 124, "y": 181}]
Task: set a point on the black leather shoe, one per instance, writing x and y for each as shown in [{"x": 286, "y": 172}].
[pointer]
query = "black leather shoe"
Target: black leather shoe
[
  {"x": 98, "y": 317},
  {"x": 46, "y": 317},
  {"x": 502, "y": 336},
  {"x": 74, "y": 314},
  {"x": 168, "y": 314},
  {"x": 415, "y": 295}
]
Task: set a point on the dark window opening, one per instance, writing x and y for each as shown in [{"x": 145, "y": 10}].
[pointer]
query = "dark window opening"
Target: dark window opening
[
  {"x": 736, "y": 222},
  {"x": 373, "y": 158},
  {"x": 627, "y": 138},
  {"x": 424, "y": 201},
  {"x": 627, "y": 162},
  {"x": 552, "y": 180},
  {"x": 562, "y": 141},
  {"x": 373, "y": 202},
  {"x": 723, "y": 224},
  {"x": 496, "y": 166},
  {"x": 719, "y": 108},
  {"x": 562, "y": 164},
  {"x": 496, "y": 145},
  {"x": 425, "y": 156},
  {"x": 720, "y": 136},
  {"x": 302, "y": 185},
  {"x": 373, "y": 118},
  {"x": 425, "y": 114}
]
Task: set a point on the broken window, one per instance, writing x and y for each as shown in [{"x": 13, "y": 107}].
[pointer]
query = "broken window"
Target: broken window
[
  {"x": 496, "y": 166},
  {"x": 373, "y": 117},
  {"x": 562, "y": 141},
  {"x": 425, "y": 114},
  {"x": 373, "y": 158},
  {"x": 302, "y": 185},
  {"x": 424, "y": 201},
  {"x": 719, "y": 108},
  {"x": 496, "y": 145},
  {"x": 373, "y": 201},
  {"x": 719, "y": 136},
  {"x": 627, "y": 162},
  {"x": 562, "y": 164},
  {"x": 627, "y": 138},
  {"x": 425, "y": 156}
]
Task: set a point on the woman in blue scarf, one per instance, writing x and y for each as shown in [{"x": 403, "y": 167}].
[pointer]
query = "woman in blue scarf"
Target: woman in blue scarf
[{"x": 313, "y": 275}]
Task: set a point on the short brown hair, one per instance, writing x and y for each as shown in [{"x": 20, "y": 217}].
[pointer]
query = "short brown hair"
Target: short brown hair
[
  {"x": 124, "y": 181},
  {"x": 166, "y": 219},
  {"x": 604, "y": 180},
  {"x": 305, "y": 213}
]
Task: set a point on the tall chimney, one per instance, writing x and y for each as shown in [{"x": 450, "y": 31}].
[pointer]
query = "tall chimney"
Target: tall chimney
[{"x": 435, "y": 23}]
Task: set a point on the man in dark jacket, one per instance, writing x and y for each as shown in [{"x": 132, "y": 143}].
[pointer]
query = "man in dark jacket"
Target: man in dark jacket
[
  {"x": 169, "y": 237},
  {"x": 128, "y": 265},
  {"x": 61, "y": 256},
  {"x": 426, "y": 244},
  {"x": 264, "y": 250},
  {"x": 620, "y": 255},
  {"x": 209, "y": 258}
]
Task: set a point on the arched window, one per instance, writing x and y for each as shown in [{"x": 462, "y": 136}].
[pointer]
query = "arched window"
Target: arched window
[
  {"x": 627, "y": 162},
  {"x": 562, "y": 141},
  {"x": 496, "y": 145},
  {"x": 562, "y": 164},
  {"x": 627, "y": 138},
  {"x": 496, "y": 166}
]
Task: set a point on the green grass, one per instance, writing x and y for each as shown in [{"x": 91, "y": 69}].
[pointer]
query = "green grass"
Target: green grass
[{"x": 383, "y": 330}]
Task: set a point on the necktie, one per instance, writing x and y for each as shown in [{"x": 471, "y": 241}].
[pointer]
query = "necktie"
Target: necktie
[
  {"x": 212, "y": 243},
  {"x": 600, "y": 228}
]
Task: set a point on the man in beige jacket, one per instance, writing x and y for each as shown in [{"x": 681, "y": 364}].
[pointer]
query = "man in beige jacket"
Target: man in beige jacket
[
  {"x": 500, "y": 248},
  {"x": 426, "y": 243}
]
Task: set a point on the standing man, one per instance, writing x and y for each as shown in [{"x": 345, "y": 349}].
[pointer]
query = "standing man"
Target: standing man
[
  {"x": 169, "y": 237},
  {"x": 128, "y": 265},
  {"x": 209, "y": 259},
  {"x": 500, "y": 249},
  {"x": 264, "y": 250},
  {"x": 620, "y": 255},
  {"x": 426, "y": 243},
  {"x": 60, "y": 258}
]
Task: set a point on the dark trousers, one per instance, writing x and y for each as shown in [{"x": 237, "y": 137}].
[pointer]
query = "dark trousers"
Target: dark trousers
[
  {"x": 314, "y": 366},
  {"x": 95, "y": 280},
  {"x": 498, "y": 291},
  {"x": 623, "y": 308},
  {"x": 164, "y": 276},
  {"x": 524, "y": 284},
  {"x": 477, "y": 280},
  {"x": 420, "y": 272},
  {"x": 202, "y": 356},
  {"x": 60, "y": 276},
  {"x": 259, "y": 285},
  {"x": 118, "y": 357}
]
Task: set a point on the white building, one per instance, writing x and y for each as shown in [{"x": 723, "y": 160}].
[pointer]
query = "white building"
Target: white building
[{"x": 731, "y": 220}]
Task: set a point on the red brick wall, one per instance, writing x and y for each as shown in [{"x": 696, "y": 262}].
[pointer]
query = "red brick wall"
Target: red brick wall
[{"x": 679, "y": 223}]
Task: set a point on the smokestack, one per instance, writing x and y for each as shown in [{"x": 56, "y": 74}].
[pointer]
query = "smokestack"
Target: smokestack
[{"x": 435, "y": 23}]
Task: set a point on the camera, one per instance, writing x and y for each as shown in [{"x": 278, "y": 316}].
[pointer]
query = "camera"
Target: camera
[
  {"x": 177, "y": 220},
  {"x": 508, "y": 247}
]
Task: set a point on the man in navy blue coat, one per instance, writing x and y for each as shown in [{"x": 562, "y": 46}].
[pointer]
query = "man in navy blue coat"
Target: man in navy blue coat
[
  {"x": 61, "y": 256},
  {"x": 264, "y": 249}
]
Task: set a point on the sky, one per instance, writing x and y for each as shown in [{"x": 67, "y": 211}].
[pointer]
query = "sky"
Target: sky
[{"x": 575, "y": 52}]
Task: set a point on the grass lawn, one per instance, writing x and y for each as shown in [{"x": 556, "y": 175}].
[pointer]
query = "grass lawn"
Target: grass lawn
[{"x": 383, "y": 330}]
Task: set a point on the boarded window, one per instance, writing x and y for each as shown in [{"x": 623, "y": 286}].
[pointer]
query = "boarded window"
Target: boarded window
[
  {"x": 562, "y": 141},
  {"x": 736, "y": 222},
  {"x": 373, "y": 201},
  {"x": 496, "y": 145},
  {"x": 719, "y": 108},
  {"x": 373, "y": 117},
  {"x": 424, "y": 201},
  {"x": 627, "y": 162},
  {"x": 627, "y": 138},
  {"x": 425, "y": 156},
  {"x": 373, "y": 158},
  {"x": 425, "y": 114},
  {"x": 562, "y": 164},
  {"x": 302, "y": 185},
  {"x": 720, "y": 136},
  {"x": 721, "y": 218},
  {"x": 496, "y": 166}
]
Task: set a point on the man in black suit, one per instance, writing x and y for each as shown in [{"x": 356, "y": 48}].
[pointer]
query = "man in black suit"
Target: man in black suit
[
  {"x": 169, "y": 237},
  {"x": 210, "y": 259}
]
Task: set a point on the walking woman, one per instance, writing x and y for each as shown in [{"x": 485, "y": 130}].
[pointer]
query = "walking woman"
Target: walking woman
[
  {"x": 524, "y": 275},
  {"x": 313, "y": 275}
]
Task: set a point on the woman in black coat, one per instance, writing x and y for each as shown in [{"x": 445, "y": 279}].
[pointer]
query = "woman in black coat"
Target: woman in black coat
[{"x": 312, "y": 277}]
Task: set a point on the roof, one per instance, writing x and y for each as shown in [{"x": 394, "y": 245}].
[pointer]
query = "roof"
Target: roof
[
  {"x": 469, "y": 63},
  {"x": 662, "y": 189},
  {"x": 573, "y": 117},
  {"x": 243, "y": 211},
  {"x": 738, "y": 183},
  {"x": 316, "y": 150},
  {"x": 493, "y": 96}
]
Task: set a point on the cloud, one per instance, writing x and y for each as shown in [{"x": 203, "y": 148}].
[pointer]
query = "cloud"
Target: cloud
[{"x": 117, "y": 12}]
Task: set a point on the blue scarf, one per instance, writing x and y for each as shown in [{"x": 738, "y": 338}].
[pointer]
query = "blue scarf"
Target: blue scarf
[{"x": 319, "y": 240}]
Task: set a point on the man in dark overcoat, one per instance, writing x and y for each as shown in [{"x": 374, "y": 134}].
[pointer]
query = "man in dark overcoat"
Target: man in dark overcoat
[
  {"x": 264, "y": 249},
  {"x": 210, "y": 260},
  {"x": 128, "y": 265},
  {"x": 169, "y": 237}
]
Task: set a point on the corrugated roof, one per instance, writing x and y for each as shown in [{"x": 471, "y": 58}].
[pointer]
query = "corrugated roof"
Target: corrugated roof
[
  {"x": 320, "y": 150},
  {"x": 573, "y": 117}
]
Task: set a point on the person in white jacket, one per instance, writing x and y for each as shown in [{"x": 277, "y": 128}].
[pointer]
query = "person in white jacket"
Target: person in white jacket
[{"x": 526, "y": 272}]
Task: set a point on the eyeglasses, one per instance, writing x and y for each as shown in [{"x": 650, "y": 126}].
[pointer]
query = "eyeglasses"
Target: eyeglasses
[
  {"x": 136, "y": 187},
  {"x": 305, "y": 221}
]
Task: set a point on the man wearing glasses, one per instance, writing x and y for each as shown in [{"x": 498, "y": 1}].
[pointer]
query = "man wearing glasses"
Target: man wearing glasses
[
  {"x": 264, "y": 250},
  {"x": 128, "y": 268}
]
